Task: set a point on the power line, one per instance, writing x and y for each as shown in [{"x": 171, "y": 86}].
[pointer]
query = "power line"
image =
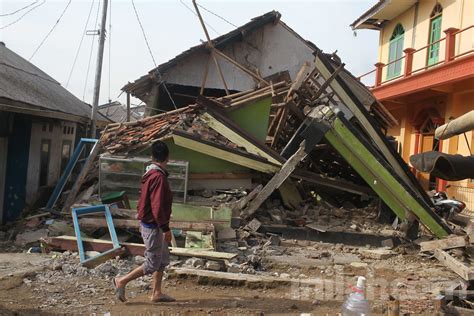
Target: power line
[
  {"x": 160, "y": 78},
  {"x": 50, "y": 31},
  {"x": 195, "y": 14},
  {"x": 90, "y": 54},
  {"x": 80, "y": 44},
  {"x": 217, "y": 15},
  {"x": 21, "y": 17},
  {"x": 110, "y": 43},
  {"x": 21, "y": 9}
]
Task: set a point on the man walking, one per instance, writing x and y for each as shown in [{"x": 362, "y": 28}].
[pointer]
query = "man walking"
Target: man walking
[{"x": 154, "y": 211}]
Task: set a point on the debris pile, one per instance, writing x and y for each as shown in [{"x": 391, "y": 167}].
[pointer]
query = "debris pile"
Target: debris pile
[{"x": 321, "y": 185}]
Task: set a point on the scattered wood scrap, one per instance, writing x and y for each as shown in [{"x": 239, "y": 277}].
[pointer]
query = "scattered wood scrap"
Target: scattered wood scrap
[
  {"x": 447, "y": 243},
  {"x": 452, "y": 263}
]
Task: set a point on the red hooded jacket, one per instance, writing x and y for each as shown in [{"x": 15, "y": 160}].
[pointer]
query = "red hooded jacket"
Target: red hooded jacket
[{"x": 156, "y": 198}]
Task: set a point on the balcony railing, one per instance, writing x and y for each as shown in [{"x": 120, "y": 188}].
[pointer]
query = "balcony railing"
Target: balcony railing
[{"x": 407, "y": 59}]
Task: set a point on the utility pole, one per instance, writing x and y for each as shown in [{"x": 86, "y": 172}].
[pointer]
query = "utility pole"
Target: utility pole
[
  {"x": 98, "y": 71},
  {"x": 128, "y": 107}
]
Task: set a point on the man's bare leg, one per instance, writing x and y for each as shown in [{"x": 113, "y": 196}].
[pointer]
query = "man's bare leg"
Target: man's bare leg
[
  {"x": 157, "y": 280},
  {"x": 121, "y": 282}
]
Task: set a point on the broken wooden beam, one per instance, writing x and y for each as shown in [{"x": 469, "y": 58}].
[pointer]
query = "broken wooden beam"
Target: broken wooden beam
[
  {"x": 276, "y": 181},
  {"x": 455, "y": 265},
  {"x": 135, "y": 249},
  {"x": 111, "y": 253},
  {"x": 446, "y": 243}
]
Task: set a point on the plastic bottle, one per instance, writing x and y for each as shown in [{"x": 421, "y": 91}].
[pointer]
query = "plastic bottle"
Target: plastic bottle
[{"x": 357, "y": 303}]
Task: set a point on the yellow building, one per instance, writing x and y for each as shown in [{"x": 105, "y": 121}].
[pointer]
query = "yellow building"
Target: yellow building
[{"x": 425, "y": 76}]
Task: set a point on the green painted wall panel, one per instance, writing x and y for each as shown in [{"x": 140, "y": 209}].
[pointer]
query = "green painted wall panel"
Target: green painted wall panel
[
  {"x": 198, "y": 162},
  {"x": 254, "y": 118}
]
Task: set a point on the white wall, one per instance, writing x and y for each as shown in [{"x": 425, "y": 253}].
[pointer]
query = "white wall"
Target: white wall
[
  {"x": 56, "y": 136},
  {"x": 271, "y": 49}
]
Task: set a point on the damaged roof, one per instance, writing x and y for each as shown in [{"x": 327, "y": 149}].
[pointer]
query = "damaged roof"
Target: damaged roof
[
  {"x": 202, "y": 127},
  {"x": 384, "y": 10},
  {"x": 21, "y": 81},
  {"x": 219, "y": 42}
]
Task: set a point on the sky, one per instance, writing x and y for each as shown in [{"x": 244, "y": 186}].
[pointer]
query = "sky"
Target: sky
[{"x": 170, "y": 28}]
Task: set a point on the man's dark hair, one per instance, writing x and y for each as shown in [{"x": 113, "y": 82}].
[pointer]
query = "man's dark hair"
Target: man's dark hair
[{"x": 159, "y": 151}]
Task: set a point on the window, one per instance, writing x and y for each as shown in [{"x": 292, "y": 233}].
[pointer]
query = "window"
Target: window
[
  {"x": 44, "y": 162},
  {"x": 65, "y": 154},
  {"x": 395, "y": 51},
  {"x": 435, "y": 34}
]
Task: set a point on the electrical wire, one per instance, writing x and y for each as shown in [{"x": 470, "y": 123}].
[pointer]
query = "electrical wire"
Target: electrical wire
[
  {"x": 21, "y": 9},
  {"x": 90, "y": 54},
  {"x": 160, "y": 78},
  {"x": 80, "y": 44},
  {"x": 217, "y": 15},
  {"x": 21, "y": 17},
  {"x": 195, "y": 14},
  {"x": 51, "y": 30},
  {"x": 110, "y": 44}
]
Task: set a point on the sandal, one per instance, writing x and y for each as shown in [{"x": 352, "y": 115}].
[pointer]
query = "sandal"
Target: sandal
[{"x": 119, "y": 292}]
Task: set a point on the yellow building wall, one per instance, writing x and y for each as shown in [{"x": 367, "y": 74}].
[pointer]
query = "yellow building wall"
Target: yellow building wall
[{"x": 456, "y": 13}]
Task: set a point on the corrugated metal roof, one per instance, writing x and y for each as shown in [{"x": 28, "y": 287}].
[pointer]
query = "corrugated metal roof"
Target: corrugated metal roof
[{"x": 23, "y": 82}]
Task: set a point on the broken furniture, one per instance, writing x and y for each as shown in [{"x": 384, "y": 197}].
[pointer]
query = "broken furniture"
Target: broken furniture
[
  {"x": 119, "y": 173},
  {"x": 69, "y": 167},
  {"x": 107, "y": 254}
]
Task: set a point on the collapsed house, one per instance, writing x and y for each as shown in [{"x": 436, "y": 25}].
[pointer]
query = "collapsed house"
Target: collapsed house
[{"x": 261, "y": 155}]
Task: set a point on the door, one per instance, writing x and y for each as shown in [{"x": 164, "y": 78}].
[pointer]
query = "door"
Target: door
[
  {"x": 3, "y": 165},
  {"x": 435, "y": 35},
  {"x": 395, "y": 52},
  {"x": 44, "y": 162}
]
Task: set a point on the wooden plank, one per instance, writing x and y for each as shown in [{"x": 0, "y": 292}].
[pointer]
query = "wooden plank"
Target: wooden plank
[
  {"x": 276, "y": 181},
  {"x": 281, "y": 124},
  {"x": 227, "y": 155},
  {"x": 71, "y": 197},
  {"x": 333, "y": 183},
  {"x": 452, "y": 263},
  {"x": 221, "y": 75},
  {"x": 298, "y": 80},
  {"x": 242, "y": 203},
  {"x": 94, "y": 222},
  {"x": 136, "y": 249},
  {"x": 95, "y": 261},
  {"x": 447, "y": 243}
]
